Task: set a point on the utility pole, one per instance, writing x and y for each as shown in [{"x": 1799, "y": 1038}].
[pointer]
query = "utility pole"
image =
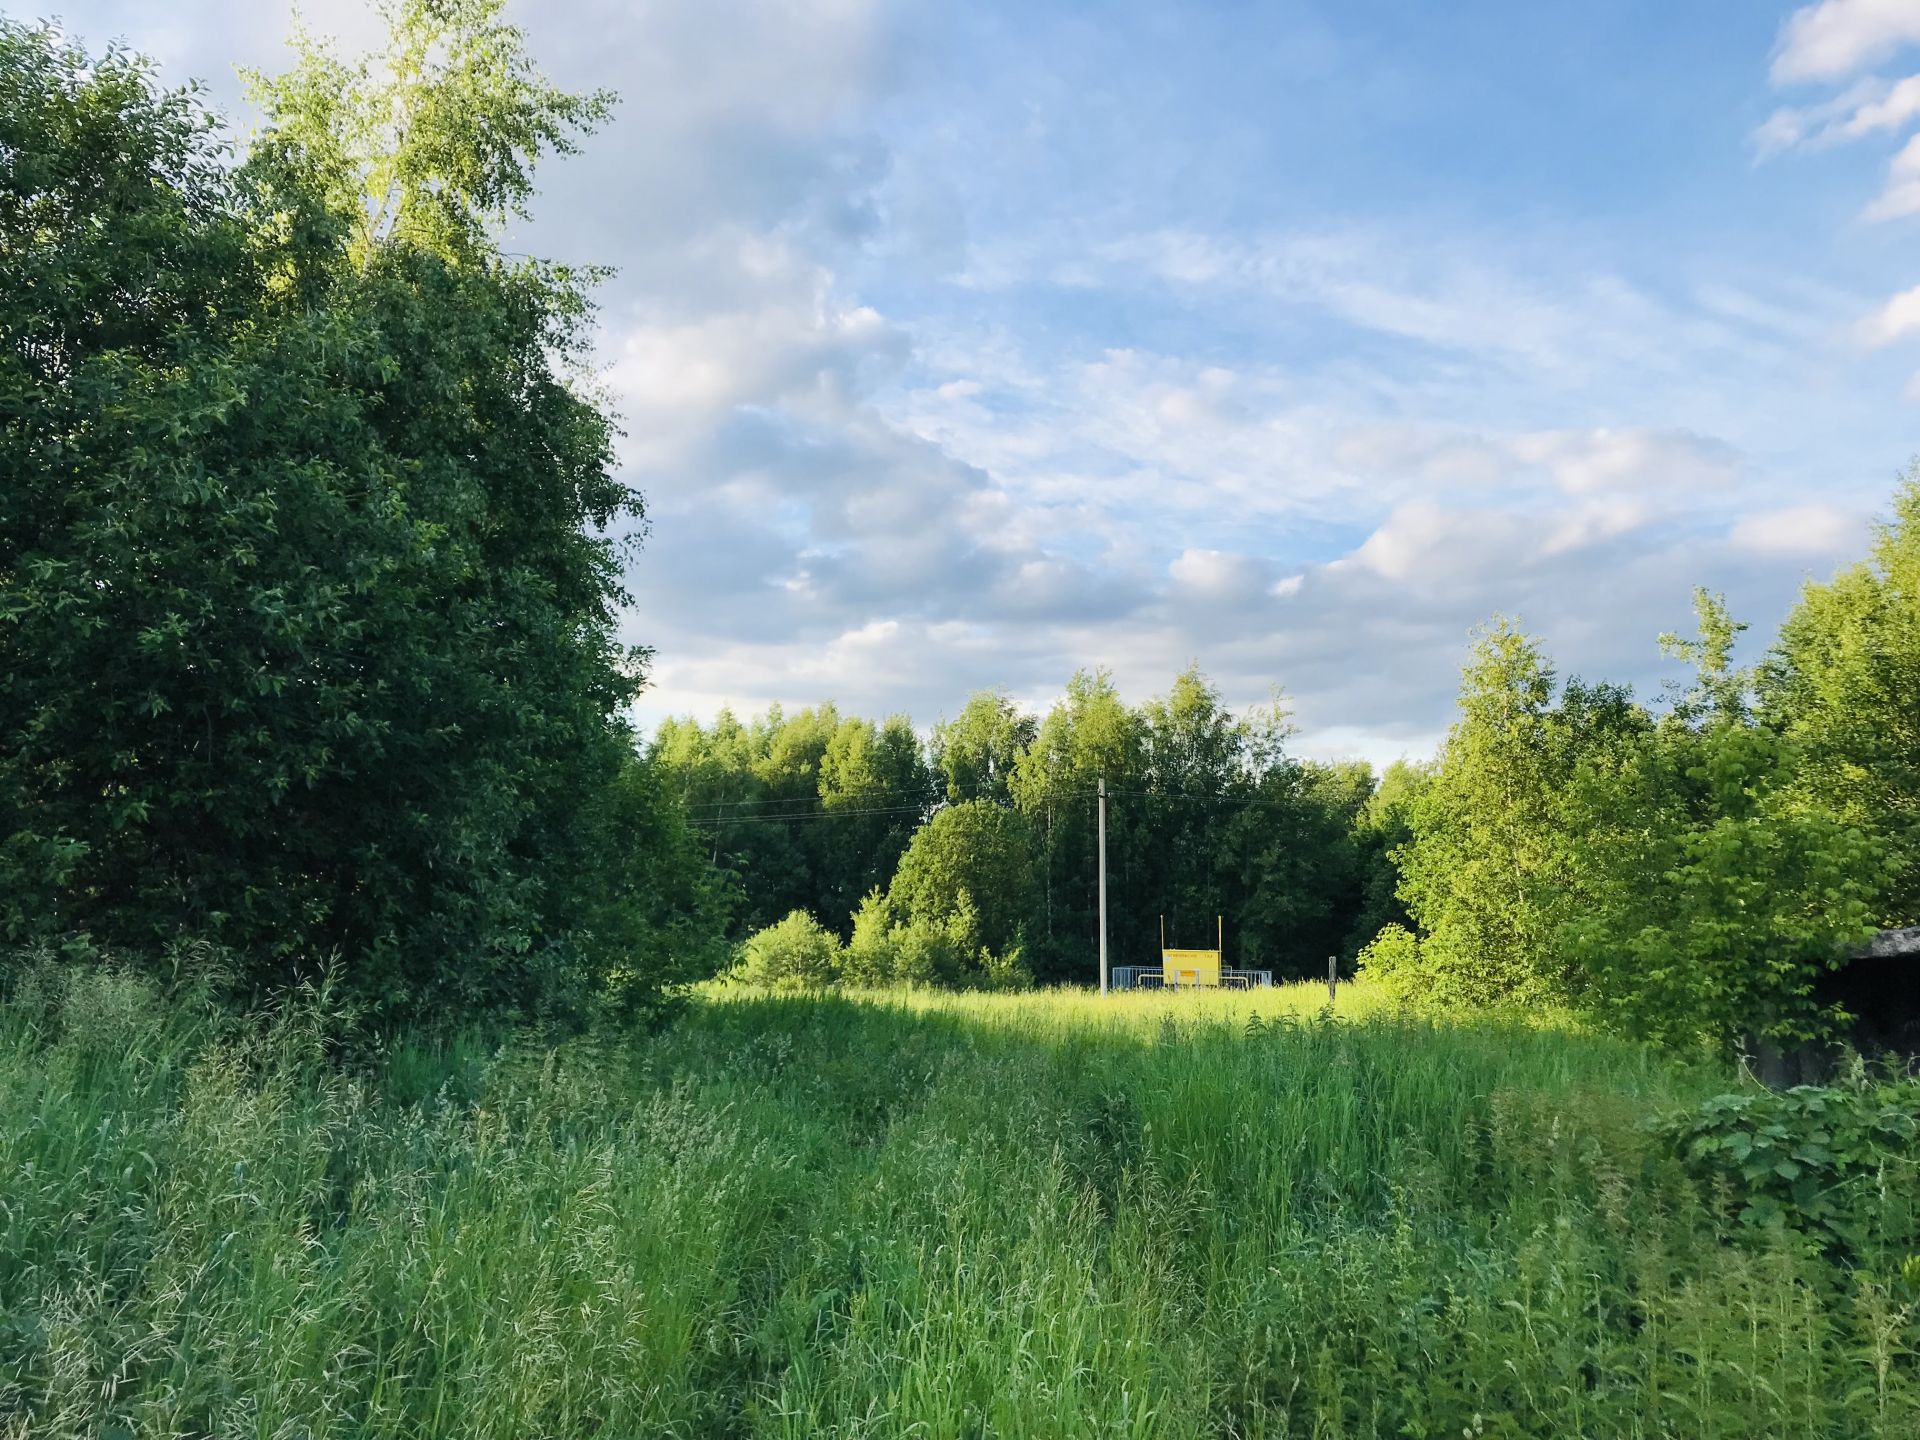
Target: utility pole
[{"x": 1103, "y": 884}]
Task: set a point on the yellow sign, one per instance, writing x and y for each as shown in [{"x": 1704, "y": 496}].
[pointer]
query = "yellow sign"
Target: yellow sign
[{"x": 1190, "y": 967}]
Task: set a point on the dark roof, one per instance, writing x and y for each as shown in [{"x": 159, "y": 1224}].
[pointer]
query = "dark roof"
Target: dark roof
[{"x": 1889, "y": 943}]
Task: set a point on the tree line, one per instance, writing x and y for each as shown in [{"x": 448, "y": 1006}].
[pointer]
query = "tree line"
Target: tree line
[
  {"x": 985, "y": 832},
  {"x": 1680, "y": 867}
]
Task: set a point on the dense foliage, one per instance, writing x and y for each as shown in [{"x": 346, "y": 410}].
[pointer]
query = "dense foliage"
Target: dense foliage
[
  {"x": 1208, "y": 817},
  {"x": 1834, "y": 1163},
  {"x": 307, "y": 591},
  {"x": 1677, "y": 874},
  {"x": 1843, "y": 686}
]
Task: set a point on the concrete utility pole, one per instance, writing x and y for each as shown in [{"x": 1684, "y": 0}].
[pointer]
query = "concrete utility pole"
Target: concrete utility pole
[{"x": 1103, "y": 884}]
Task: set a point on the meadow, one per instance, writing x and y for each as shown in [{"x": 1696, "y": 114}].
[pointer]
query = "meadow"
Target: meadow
[{"x": 941, "y": 1216}]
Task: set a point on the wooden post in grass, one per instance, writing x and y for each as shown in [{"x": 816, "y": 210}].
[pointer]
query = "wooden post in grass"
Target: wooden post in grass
[{"x": 1333, "y": 978}]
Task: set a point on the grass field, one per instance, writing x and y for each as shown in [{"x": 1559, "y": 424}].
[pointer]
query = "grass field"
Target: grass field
[{"x": 934, "y": 1216}]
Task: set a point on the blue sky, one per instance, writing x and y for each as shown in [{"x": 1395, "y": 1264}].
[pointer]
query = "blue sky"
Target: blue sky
[{"x": 965, "y": 345}]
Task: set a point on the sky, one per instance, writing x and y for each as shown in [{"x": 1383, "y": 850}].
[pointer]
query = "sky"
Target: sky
[{"x": 965, "y": 346}]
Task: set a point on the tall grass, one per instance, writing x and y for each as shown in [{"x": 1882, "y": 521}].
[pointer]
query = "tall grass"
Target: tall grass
[{"x": 944, "y": 1217}]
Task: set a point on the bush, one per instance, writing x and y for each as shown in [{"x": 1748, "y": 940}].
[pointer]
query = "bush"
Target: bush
[
  {"x": 1839, "y": 1164},
  {"x": 872, "y": 954},
  {"x": 1391, "y": 958},
  {"x": 927, "y": 950},
  {"x": 797, "y": 953}
]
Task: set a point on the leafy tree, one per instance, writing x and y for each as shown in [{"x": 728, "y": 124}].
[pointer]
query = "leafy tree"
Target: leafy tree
[
  {"x": 1492, "y": 869},
  {"x": 1294, "y": 850},
  {"x": 806, "y": 810},
  {"x": 977, "y": 752},
  {"x": 1194, "y": 777},
  {"x": 942, "y": 949},
  {"x": 1383, "y": 825},
  {"x": 1088, "y": 736},
  {"x": 656, "y": 903},
  {"x": 307, "y": 595},
  {"x": 975, "y": 855},
  {"x": 1843, "y": 686},
  {"x": 875, "y": 784},
  {"x": 1715, "y": 894}
]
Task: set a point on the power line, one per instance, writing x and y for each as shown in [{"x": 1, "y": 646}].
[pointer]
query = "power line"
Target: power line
[{"x": 933, "y": 798}]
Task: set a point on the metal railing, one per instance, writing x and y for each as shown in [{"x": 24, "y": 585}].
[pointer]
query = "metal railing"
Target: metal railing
[{"x": 1153, "y": 977}]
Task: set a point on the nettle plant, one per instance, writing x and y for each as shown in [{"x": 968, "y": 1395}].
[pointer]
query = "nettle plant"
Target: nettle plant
[{"x": 1840, "y": 1164}]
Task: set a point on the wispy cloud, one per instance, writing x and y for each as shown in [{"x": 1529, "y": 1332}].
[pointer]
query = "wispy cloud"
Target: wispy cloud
[
  {"x": 1837, "y": 38},
  {"x": 1868, "y": 107}
]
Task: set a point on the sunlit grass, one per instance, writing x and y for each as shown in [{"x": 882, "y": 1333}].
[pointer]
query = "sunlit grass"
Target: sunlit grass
[
  {"x": 925, "y": 1215},
  {"x": 1149, "y": 1012}
]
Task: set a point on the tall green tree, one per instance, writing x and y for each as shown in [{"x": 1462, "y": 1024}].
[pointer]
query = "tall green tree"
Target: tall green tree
[
  {"x": 1843, "y": 686},
  {"x": 1292, "y": 854},
  {"x": 308, "y": 570},
  {"x": 975, "y": 856},
  {"x": 1492, "y": 868},
  {"x": 875, "y": 786},
  {"x": 807, "y": 810},
  {"x": 1382, "y": 826},
  {"x": 1193, "y": 777},
  {"x": 1714, "y": 895},
  {"x": 976, "y": 752},
  {"x": 1090, "y": 735}
]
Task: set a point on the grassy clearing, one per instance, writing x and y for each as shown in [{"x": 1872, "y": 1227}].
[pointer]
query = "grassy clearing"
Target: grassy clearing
[{"x": 932, "y": 1216}]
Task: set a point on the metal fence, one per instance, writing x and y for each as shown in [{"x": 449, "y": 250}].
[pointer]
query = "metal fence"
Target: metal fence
[{"x": 1153, "y": 977}]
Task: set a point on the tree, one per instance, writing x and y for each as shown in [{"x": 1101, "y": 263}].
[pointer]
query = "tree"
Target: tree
[
  {"x": 977, "y": 752},
  {"x": 1843, "y": 686},
  {"x": 1381, "y": 828},
  {"x": 876, "y": 786},
  {"x": 1088, "y": 736},
  {"x": 655, "y": 902},
  {"x": 807, "y": 810},
  {"x": 1714, "y": 895},
  {"x": 975, "y": 855},
  {"x": 1492, "y": 869},
  {"x": 1192, "y": 781},
  {"x": 307, "y": 577},
  {"x": 1295, "y": 859},
  {"x": 796, "y": 953}
]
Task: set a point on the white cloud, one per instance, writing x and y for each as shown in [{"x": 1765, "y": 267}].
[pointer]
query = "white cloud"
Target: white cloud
[
  {"x": 1902, "y": 194},
  {"x": 1835, "y": 38},
  {"x": 1868, "y": 107},
  {"x": 1899, "y": 316},
  {"x": 1801, "y": 530},
  {"x": 1585, "y": 461},
  {"x": 1220, "y": 574}
]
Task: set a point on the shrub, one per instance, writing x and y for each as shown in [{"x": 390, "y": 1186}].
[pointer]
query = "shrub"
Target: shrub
[
  {"x": 797, "y": 953},
  {"x": 928, "y": 950},
  {"x": 872, "y": 954},
  {"x": 1839, "y": 1164},
  {"x": 1392, "y": 957}
]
